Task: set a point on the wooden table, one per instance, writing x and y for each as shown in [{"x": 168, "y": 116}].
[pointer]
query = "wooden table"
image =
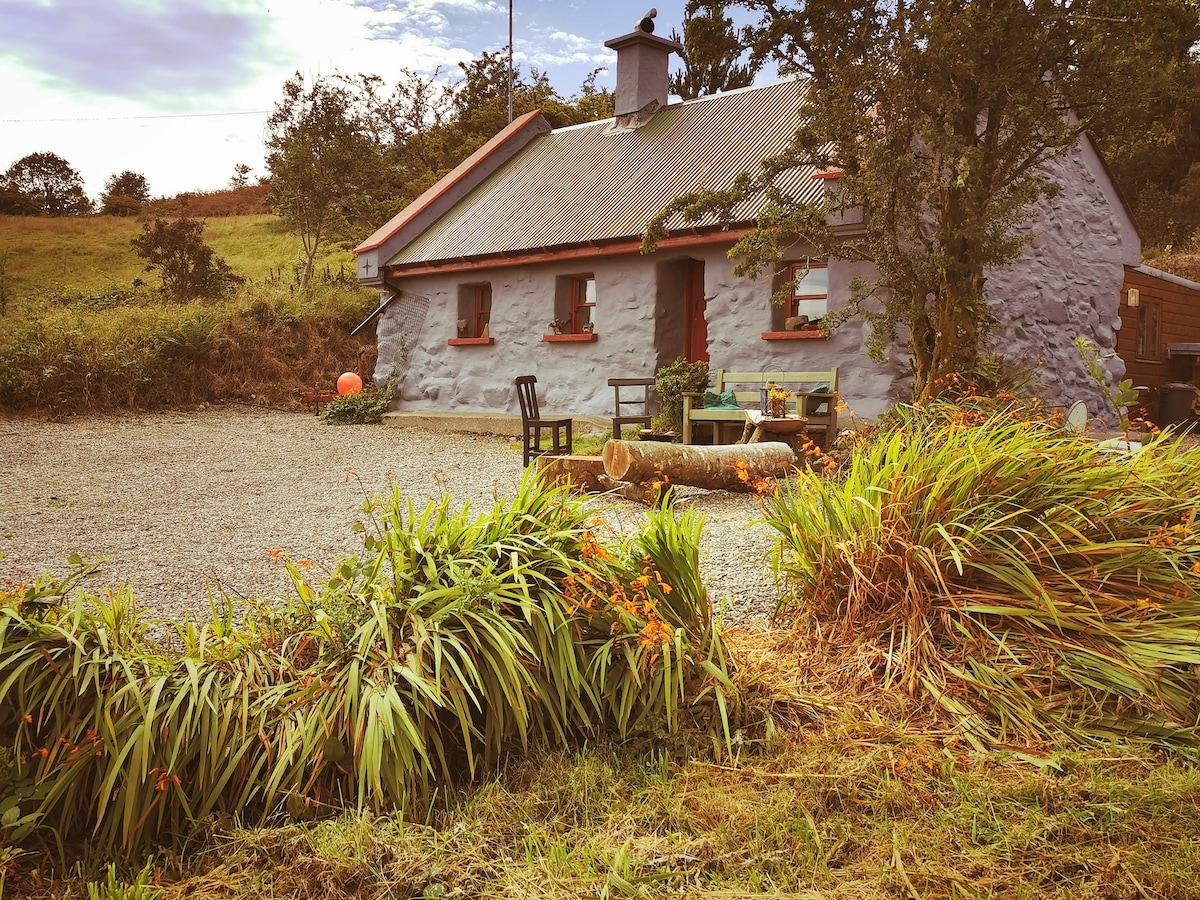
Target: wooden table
[{"x": 768, "y": 428}]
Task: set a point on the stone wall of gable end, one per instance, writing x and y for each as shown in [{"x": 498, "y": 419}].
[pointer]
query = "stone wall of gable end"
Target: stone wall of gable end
[{"x": 1066, "y": 284}]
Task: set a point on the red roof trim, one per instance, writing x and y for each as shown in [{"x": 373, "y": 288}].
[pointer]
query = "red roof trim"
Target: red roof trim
[
  {"x": 617, "y": 247},
  {"x": 828, "y": 173},
  {"x": 453, "y": 177}
]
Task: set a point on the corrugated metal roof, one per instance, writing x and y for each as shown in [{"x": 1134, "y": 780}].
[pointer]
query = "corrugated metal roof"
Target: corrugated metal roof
[{"x": 590, "y": 183}]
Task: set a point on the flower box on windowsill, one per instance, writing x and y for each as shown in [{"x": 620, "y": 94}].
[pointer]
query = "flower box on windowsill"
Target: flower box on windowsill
[
  {"x": 582, "y": 336},
  {"x": 814, "y": 334},
  {"x": 470, "y": 342}
]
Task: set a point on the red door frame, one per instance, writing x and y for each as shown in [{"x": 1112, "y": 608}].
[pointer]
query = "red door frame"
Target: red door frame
[{"x": 695, "y": 329}]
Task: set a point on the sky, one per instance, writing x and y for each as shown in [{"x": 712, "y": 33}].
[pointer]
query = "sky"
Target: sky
[{"x": 180, "y": 90}]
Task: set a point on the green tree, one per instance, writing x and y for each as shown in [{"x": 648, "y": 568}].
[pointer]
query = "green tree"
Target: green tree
[
  {"x": 1152, "y": 144},
  {"x": 188, "y": 266},
  {"x": 241, "y": 176},
  {"x": 940, "y": 115},
  {"x": 423, "y": 126},
  {"x": 55, "y": 188},
  {"x": 15, "y": 203},
  {"x": 715, "y": 54},
  {"x": 320, "y": 156},
  {"x": 480, "y": 105},
  {"x": 124, "y": 194},
  {"x": 408, "y": 128}
]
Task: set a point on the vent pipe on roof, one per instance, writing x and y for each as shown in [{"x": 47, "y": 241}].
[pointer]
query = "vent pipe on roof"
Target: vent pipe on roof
[{"x": 642, "y": 61}]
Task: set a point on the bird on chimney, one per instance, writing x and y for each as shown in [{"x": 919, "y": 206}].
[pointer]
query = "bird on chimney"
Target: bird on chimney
[{"x": 647, "y": 23}]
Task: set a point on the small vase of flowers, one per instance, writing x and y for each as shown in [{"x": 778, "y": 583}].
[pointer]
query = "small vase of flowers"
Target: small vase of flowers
[{"x": 776, "y": 401}]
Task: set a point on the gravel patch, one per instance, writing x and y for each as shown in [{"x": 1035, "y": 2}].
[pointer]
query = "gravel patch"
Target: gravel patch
[{"x": 181, "y": 504}]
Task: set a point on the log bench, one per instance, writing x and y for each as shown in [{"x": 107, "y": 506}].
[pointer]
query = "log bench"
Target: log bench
[{"x": 815, "y": 395}]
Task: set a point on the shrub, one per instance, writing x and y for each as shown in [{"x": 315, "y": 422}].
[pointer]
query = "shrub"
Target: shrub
[
  {"x": 364, "y": 408},
  {"x": 449, "y": 641},
  {"x": 1013, "y": 578},
  {"x": 188, "y": 266},
  {"x": 672, "y": 382}
]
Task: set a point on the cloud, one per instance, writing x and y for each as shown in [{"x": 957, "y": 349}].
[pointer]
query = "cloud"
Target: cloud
[
  {"x": 551, "y": 48},
  {"x": 129, "y": 48}
]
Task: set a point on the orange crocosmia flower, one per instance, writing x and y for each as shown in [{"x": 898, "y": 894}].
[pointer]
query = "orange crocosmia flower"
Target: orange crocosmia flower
[
  {"x": 305, "y": 563},
  {"x": 274, "y": 553}
]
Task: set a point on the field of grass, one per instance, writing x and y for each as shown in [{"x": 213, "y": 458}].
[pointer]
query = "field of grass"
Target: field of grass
[
  {"x": 90, "y": 255},
  {"x": 84, "y": 326}
]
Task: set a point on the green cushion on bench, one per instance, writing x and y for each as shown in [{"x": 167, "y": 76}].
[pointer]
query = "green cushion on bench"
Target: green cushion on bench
[{"x": 724, "y": 400}]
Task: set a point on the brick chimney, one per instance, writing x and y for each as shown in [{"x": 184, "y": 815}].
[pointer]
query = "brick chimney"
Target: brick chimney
[{"x": 642, "y": 71}]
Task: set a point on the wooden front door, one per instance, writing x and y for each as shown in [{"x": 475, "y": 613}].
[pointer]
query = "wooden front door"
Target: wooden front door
[{"x": 695, "y": 340}]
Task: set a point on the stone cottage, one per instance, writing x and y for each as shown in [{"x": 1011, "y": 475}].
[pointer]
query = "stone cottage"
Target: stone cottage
[{"x": 525, "y": 260}]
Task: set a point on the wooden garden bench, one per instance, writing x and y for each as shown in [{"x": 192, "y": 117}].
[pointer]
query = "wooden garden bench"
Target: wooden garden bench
[{"x": 814, "y": 393}]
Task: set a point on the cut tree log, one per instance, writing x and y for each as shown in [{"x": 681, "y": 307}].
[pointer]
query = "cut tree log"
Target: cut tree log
[
  {"x": 714, "y": 468},
  {"x": 583, "y": 472}
]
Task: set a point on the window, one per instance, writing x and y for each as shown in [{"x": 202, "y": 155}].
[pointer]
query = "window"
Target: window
[
  {"x": 809, "y": 279},
  {"x": 474, "y": 311},
  {"x": 574, "y": 308},
  {"x": 1149, "y": 330}
]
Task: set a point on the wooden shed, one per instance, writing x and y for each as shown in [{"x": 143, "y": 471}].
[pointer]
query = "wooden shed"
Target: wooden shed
[{"x": 1159, "y": 338}]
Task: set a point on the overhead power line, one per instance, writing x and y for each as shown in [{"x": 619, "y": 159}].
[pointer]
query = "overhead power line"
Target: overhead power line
[{"x": 251, "y": 112}]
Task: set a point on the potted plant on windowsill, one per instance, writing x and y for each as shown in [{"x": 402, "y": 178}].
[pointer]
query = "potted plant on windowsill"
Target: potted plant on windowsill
[{"x": 671, "y": 383}]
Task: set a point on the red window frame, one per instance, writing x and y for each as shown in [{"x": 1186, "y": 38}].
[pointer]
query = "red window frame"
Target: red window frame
[
  {"x": 796, "y": 296},
  {"x": 580, "y": 302},
  {"x": 481, "y": 307}
]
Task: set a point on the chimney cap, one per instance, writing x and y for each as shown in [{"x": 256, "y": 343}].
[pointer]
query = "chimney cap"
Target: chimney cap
[{"x": 642, "y": 37}]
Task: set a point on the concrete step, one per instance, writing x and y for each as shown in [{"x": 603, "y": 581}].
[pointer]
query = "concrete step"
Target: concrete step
[{"x": 504, "y": 424}]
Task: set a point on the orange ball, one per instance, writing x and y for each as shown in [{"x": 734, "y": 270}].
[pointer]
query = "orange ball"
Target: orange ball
[{"x": 348, "y": 383}]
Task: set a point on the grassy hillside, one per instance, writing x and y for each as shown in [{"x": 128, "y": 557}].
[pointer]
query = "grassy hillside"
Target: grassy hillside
[
  {"x": 92, "y": 254},
  {"x": 84, "y": 326}
]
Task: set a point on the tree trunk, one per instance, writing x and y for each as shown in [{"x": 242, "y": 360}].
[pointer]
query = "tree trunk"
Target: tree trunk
[{"x": 715, "y": 468}]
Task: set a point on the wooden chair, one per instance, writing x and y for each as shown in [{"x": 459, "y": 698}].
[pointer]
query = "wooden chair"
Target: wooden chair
[
  {"x": 638, "y": 402},
  {"x": 533, "y": 424}
]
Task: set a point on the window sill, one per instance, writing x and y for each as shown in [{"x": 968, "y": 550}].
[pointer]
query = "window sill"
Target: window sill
[
  {"x": 814, "y": 335},
  {"x": 471, "y": 342},
  {"x": 585, "y": 336}
]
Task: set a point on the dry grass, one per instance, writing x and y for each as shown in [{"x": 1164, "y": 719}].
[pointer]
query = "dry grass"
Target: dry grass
[
  {"x": 1182, "y": 260},
  {"x": 848, "y": 798},
  {"x": 1005, "y": 575}
]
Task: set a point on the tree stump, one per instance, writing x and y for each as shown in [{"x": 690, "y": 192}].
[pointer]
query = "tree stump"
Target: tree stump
[{"x": 707, "y": 467}]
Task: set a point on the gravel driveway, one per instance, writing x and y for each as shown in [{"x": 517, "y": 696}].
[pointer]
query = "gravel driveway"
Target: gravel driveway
[{"x": 182, "y": 503}]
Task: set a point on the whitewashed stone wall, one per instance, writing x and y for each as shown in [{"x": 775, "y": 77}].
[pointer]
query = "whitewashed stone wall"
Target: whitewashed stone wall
[
  {"x": 572, "y": 376},
  {"x": 1068, "y": 283}
]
